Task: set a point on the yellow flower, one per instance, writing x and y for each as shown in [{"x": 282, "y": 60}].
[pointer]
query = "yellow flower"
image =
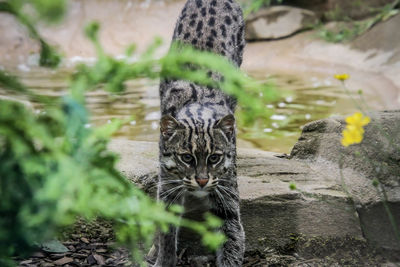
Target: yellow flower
[
  {"x": 353, "y": 134},
  {"x": 351, "y": 137},
  {"x": 358, "y": 120},
  {"x": 342, "y": 77}
]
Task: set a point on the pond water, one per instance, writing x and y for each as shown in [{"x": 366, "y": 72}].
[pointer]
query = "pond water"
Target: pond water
[{"x": 309, "y": 99}]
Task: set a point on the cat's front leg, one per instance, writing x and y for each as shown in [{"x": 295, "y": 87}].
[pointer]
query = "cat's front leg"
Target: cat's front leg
[
  {"x": 167, "y": 249},
  {"x": 232, "y": 252}
]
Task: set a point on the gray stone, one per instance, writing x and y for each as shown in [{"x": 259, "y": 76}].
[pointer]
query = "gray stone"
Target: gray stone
[
  {"x": 331, "y": 207},
  {"x": 377, "y": 157},
  {"x": 271, "y": 212},
  {"x": 341, "y": 9},
  {"x": 137, "y": 159},
  {"x": 278, "y": 22},
  {"x": 384, "y": 37}
]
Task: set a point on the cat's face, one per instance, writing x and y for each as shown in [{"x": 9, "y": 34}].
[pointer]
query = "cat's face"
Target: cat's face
[{"x": 197, "y": 153}]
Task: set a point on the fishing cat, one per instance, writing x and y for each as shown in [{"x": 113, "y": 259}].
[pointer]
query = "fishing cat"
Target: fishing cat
[{"x": 198, "y": 140}]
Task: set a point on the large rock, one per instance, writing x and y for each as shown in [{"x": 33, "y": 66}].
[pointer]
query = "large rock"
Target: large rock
[
  {"x": 333, "y": 208},
  {"x": 341, "y": 9},
  {"x": 275, "y": 218},
  {"x": 384, "y": 38},
  {"x": 278, "y": 22},
  {"x": 376, "y": 158}
]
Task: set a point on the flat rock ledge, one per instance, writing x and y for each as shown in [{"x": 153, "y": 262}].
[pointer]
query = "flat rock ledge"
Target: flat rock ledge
[
  {"x": 329, "y": 216},
  {"x": 375, "y": 160},
  {"x": 278, "y": 22}
]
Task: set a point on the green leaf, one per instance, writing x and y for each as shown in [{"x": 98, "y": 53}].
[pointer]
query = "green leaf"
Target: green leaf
[
  {"x": 11, "y": 82},
  {"x": 213, "y": 221},
  {"x": 292, "y": 186},
  {"x": 213, "y": 240},
  {"x": 53, "y": 246},
  {"x": 176, "y": 209}
]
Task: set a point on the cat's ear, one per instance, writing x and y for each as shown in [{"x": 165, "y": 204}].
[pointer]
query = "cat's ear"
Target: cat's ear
[
  {"x": 227, "y": 125},
  {"x": 168, "y": 125}
]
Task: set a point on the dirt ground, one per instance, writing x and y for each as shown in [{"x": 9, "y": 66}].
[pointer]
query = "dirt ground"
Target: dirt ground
[{"x": 94, "y": 245}]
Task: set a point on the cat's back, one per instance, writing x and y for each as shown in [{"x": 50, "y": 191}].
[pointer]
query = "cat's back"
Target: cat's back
[{"x": 213, "y": 25}]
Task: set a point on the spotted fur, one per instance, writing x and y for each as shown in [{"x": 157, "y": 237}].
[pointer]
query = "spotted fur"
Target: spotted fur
[{"x": 198, "y": 140}]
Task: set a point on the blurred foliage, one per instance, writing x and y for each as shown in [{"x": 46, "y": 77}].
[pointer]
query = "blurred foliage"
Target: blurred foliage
[
  {"x": 49, "y": 11},
  {"x": 254, "y": 5},
  {"x": 347, "y": 29},
  {"x": 53, "y": 169},
  {"x": 252, "y": 95},
  {"x": 30, "y": 12}
]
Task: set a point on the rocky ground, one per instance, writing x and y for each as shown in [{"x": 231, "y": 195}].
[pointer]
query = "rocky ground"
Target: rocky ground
[
  {"x": 333, "y": 218},
  {"x": 93, "y": 245}
]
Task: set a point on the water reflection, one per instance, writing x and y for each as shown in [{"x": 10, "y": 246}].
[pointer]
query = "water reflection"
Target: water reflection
[{"x": 307, "y": 100}]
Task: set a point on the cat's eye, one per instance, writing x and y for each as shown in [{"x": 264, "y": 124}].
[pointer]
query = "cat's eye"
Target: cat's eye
[
  {"x": 187, "y": 158},
  {"x": 214, "y": 158}
]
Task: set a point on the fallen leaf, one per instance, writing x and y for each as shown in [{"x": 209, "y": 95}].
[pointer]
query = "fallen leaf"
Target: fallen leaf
[
  {"x": 25, "y": 262},
  {"x": 79, "y": 255},
  {"x": 99, "y": 259},
  {"x": 63, "y": 261},
  {"x": 38, "y": 255},
  {"x": 57, "y": 256},
  {"x": 53, "y": 246},
  {"x": 91, "y": 260}
]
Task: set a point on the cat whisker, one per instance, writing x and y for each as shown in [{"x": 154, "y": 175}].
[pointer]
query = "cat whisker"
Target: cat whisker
[
  {"x": 170, "y": 189},
  {"x": 164, "y": 183},
  {"x": 178, "y": 195},
  {"x": 228, "y": 190},
  {"x": 170, "y": 182},
  {"x": 189, "y": 185},
  {"x": 167, "y": 193}
]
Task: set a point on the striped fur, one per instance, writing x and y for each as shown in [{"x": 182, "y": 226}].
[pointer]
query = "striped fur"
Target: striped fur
[{"x": 198, "y": 142}]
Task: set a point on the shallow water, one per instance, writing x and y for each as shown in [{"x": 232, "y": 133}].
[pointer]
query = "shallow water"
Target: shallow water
[{"x": 306, "y": 99}]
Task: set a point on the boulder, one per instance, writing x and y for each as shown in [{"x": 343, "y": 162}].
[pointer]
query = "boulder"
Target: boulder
[
  {"x": 275, "y": 218},
  {"x": 333, "y": 211},
  {"x": 383, "y": 37},
  {"x": 278, "y": 22},
  {"x": 377, "y": 159},
  {"x": 340, "y": 9}
]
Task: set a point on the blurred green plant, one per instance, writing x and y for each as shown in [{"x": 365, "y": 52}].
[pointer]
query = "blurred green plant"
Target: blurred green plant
[
  {"x": 348, "y": 29},
  {"x": 251, "y": 94},
  {"x": 53, "y": 169},
  {"x": 254, "y": 5},
  {"x": 28, "y": 13},
  {"x": 353, "y": 135}
]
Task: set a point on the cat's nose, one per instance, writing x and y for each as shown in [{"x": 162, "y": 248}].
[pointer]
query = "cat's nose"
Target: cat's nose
[{"x": 202, "y": 181}]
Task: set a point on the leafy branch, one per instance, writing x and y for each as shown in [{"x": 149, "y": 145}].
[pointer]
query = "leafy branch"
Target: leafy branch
[{"x": 48, "y": 56}]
